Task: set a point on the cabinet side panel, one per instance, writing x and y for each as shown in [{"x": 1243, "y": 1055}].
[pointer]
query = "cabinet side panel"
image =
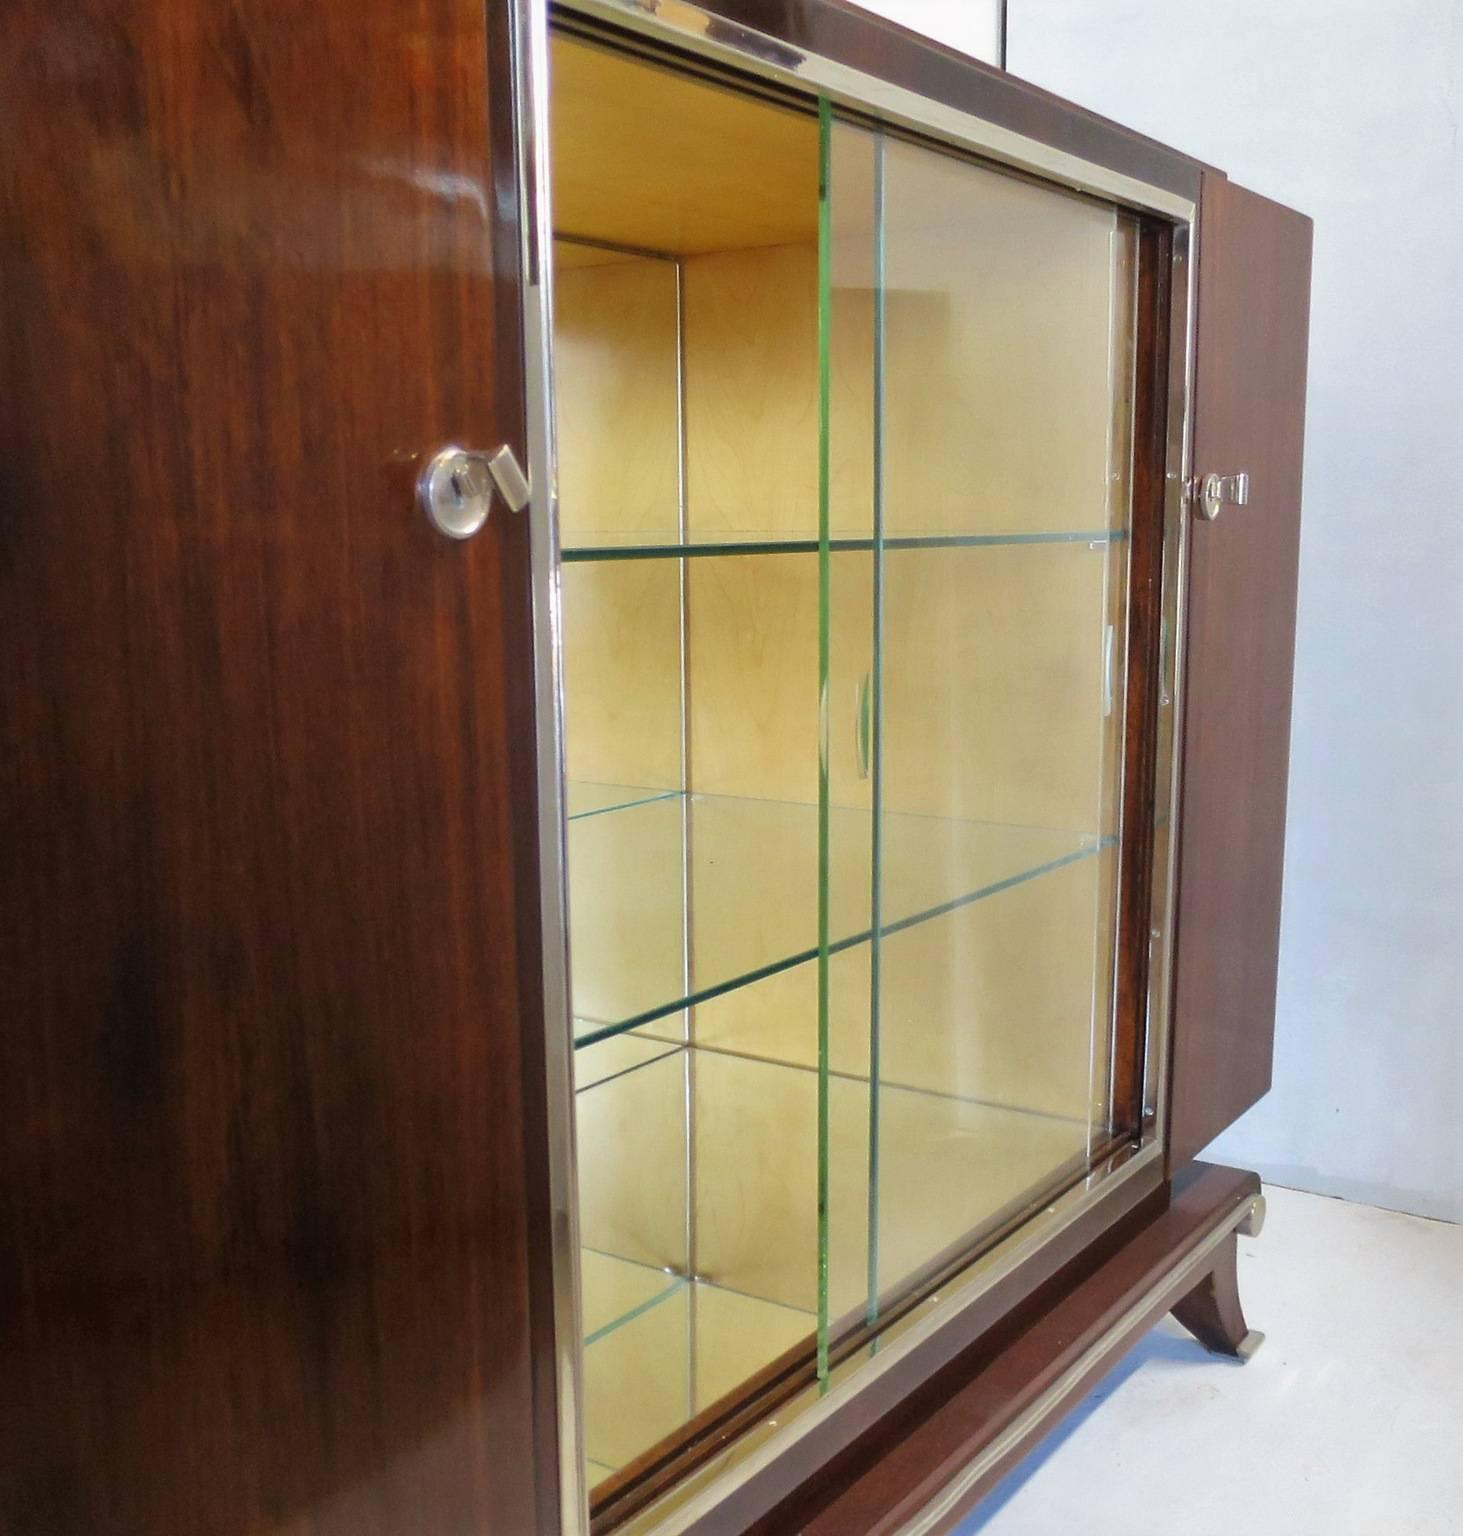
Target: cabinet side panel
[
  {"x": 269, "y": 1162},
  {"x": 1254, "y": 300}
]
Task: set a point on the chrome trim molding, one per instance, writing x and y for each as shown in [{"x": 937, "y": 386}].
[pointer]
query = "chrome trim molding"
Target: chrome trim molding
[
  {"x": 530, "y": 45},
  {"x": 935, "y": 1516},
  {"x": 1157, "y": 1026},
  {"x": 1249, "y": 1346},
  {"x": 693, "y": 29}
]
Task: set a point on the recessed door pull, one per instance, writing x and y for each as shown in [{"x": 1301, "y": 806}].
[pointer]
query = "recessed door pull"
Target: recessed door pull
[
  {"x": 1216, "y": 491},
  {"x": 456, "y": 488}
]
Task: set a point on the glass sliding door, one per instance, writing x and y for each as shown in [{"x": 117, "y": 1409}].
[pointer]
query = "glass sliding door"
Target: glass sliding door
[
  {"x": 687, "y": 403},
  {"x": 1001, "y": 348},
  {"x": 844, "y": 442},
  {"x": 848, "y": 719}
]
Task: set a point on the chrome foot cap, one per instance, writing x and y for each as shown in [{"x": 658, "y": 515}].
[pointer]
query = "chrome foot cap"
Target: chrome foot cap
[{"x": 1248, "y": 1345}]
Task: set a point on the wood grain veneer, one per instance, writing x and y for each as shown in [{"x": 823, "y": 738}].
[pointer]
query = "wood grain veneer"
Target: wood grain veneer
[
  {"x": 272, "y": 1191},
  {"x": 1249, "y": 403}
]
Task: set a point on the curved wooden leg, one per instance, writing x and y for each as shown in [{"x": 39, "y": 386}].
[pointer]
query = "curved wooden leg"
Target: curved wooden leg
[{"x": 1212, "y": 1312}]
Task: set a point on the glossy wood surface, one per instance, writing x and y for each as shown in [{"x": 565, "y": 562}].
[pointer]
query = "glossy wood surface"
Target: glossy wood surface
[
  {"x": 271, "y": 1198},
  {"x": 1249, "y": 414}
]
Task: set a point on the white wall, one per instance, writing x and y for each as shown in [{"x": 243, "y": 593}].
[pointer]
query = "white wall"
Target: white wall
[
  {"x": 973, "y": 26},
  {"x": 1350, "y": 111}
]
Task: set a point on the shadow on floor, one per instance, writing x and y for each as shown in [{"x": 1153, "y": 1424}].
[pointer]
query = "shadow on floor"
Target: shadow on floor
[{"x": 1163, "y": 1350}]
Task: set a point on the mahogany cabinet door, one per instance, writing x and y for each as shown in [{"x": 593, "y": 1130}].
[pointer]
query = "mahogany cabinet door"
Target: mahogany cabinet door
[
  {"x": 271, "y": 1179},
  {"x": 1249, "y": 409}
]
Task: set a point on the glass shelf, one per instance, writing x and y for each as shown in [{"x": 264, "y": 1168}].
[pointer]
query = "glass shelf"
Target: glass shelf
[
  {"x": 584, "y": 799},
  {"x": 660, "y": 1345},
  {"x": 667, "y": 544},
  {"x": 750, "y": 885},
  {"x": 677, "y": 1347},
  {"x": 617, "y": 1056}
]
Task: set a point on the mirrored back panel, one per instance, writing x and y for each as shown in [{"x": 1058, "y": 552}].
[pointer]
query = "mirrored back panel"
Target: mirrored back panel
[{"x": 845, "y": 436}]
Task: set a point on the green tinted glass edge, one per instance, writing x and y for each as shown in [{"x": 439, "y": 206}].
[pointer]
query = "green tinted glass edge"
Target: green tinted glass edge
[{"x": 825, "y": 251}]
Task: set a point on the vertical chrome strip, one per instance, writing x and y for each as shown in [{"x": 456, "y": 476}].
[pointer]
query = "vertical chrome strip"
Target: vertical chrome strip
[
  {"x": 876, "y": 796},
  {"x": 1103, "y": 1037},
  {"x": 530, "y": 43},
  {"x": 688, "y": 1077},
  {"x": 1182, "y": 316}
]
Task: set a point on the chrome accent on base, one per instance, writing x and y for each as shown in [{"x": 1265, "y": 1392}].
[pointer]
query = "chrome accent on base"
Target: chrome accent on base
[
  {"x": 949, "y": 1501},
  {"x": 1254, "y": 1222}
]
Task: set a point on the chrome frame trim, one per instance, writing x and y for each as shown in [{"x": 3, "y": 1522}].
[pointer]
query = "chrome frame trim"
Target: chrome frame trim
[
  {"x": 529, "y": 42},
  {"x": 684, "y": 25},
  {"x": 937, "y": 1513},
  {"x": 1109, "y": 1080},
  {"x": 683, "y": 673},
  {"x": 1183, "y": 313}
]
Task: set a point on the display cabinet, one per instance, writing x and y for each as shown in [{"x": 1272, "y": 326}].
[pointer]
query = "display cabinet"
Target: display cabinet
[{"x": 659, "y": 791}]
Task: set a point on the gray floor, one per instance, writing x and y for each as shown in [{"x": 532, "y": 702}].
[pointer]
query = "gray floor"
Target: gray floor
[{"x": 1349, "y": 1421}]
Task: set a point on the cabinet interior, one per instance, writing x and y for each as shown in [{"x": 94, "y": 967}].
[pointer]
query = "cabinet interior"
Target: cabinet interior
[{"x": 844, "y": 456}]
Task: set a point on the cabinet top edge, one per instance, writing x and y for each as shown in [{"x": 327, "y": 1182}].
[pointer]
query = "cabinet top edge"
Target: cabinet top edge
[{"x": 873, "y": 65}]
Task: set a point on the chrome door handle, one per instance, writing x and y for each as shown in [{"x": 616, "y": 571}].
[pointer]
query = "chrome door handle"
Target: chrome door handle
[
  {"x": 1217, "y": 491},
  {"x": 456, "y": 487}
]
